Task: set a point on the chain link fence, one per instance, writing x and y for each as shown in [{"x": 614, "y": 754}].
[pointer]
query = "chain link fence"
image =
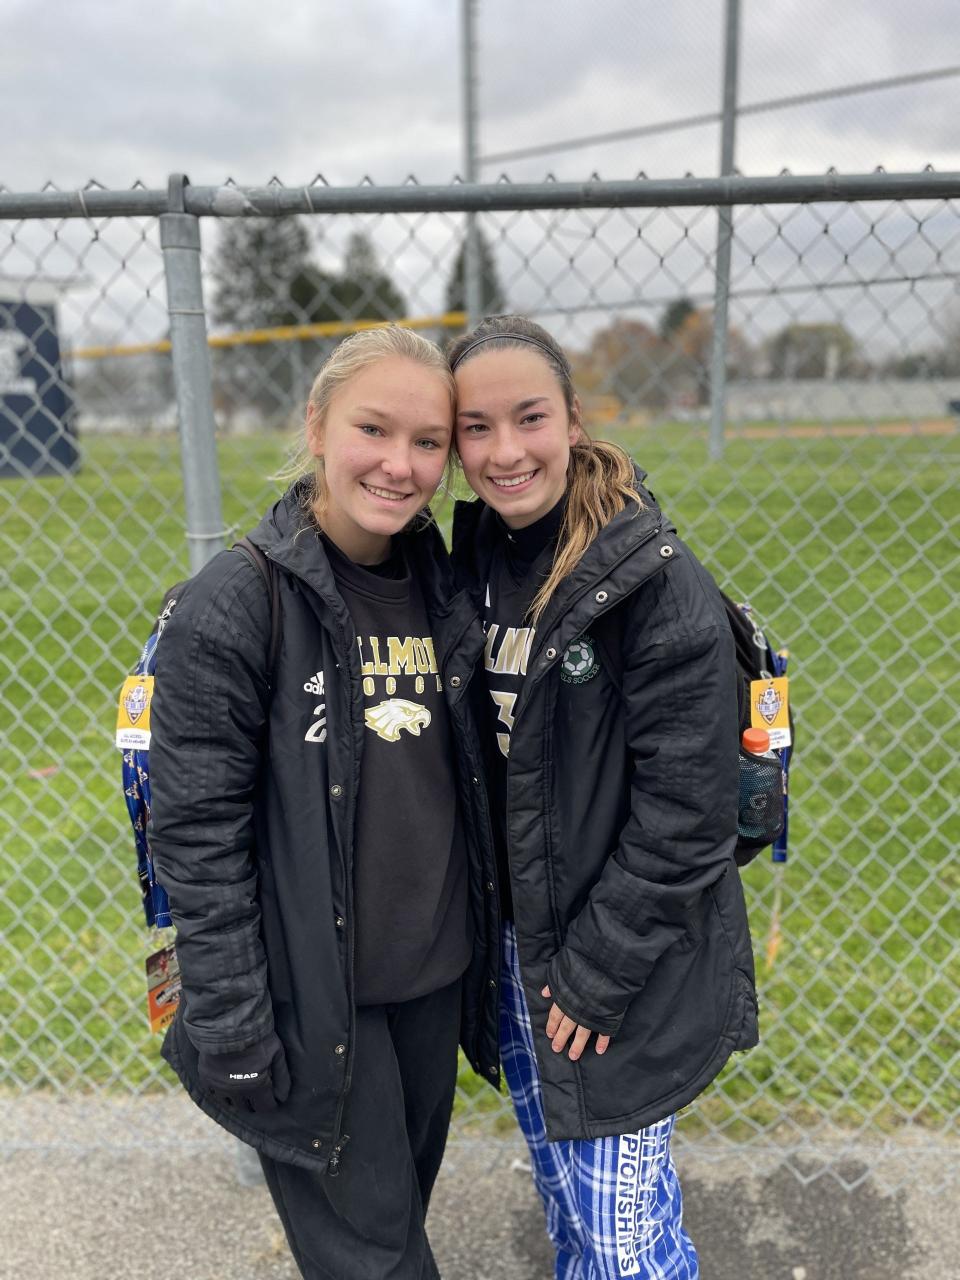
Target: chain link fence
[{"x": 827, "y": 503}]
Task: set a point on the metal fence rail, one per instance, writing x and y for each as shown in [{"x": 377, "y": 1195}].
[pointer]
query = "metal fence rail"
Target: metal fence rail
[{"x": 829, "y": 508}]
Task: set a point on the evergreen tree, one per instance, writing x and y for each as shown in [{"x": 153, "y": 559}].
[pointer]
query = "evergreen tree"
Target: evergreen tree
[
  {"x": 674, "y": 316},
  {"x": 363, "y": 290},
  {"x": 262, "y": 274},
  {"x": 264, "y": 278},
  {"x": 493, "y": 300}
]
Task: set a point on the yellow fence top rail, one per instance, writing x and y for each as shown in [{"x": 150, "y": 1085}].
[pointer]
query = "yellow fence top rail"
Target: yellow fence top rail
[{"x": 282, "y": 333}]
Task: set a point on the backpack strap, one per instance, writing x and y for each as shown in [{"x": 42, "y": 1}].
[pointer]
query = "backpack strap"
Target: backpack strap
[{"x": 268, "y": 573}]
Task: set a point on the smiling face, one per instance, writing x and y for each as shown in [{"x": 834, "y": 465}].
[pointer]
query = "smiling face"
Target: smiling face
[
  {"x": 514, "y": 432},
  {"x": 384, "y": 439}
]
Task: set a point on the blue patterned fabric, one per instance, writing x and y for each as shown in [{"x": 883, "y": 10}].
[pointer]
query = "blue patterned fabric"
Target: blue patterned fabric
[
  {"x": 136, "y": 792},
  {"x": 613, "y": 1205}
]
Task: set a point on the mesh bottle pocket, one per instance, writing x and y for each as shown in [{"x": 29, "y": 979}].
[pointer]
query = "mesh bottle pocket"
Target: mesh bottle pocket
[{"x": 760, "y": 810}]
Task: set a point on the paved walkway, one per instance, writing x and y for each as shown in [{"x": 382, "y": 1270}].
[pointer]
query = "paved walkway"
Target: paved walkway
[{"x": 182, "y": 1212}]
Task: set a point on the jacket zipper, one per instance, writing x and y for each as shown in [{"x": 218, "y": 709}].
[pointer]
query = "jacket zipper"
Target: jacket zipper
[
  {"x": 333, "y": 1164},
  {"x": 548, "y": 752},
  {"x": 340, "y": 1140},
  {"x": 477, "y": 768},
  {"x": 548, "y": 841}
]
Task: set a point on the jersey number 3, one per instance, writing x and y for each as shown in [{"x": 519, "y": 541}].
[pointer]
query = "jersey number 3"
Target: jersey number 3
[{"x": 505, "y": 702}]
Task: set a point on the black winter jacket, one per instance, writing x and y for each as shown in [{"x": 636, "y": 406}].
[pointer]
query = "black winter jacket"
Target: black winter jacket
[
  {"x": 621, "y": 824},
  {"x": 253, "y": 820}
]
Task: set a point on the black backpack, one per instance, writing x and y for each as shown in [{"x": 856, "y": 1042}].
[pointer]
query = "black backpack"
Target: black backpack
[
  {"x": 136, "y": 759},
  {"x": 762, "y": 808}
]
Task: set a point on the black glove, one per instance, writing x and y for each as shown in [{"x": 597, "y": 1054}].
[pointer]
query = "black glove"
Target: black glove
[{"x": 253, "y": 1079}]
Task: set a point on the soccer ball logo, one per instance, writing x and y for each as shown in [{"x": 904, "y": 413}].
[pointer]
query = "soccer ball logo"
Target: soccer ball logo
[{"x": 579, "y": 662}]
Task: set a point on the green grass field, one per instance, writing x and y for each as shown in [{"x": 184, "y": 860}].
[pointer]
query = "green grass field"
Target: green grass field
[{"x": 843, "y": 546}]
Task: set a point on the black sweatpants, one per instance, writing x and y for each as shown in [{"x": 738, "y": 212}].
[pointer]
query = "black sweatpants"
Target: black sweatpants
[{"x": 367, "y": 1223}]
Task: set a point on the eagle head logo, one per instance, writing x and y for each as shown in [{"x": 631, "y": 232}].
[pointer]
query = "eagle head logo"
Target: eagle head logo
[{"x": 388, "y": 718}]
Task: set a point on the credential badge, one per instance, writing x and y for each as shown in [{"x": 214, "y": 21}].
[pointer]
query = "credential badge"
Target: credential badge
[
  {"x": 769, "y": 704},
  {"x": 135, "y": 702}
]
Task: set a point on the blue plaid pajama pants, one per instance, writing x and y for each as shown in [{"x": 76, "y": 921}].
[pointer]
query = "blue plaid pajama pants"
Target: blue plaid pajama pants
[{"x": 613, "y": 1204}]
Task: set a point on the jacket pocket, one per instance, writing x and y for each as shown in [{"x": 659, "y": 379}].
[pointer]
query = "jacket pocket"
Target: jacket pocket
[
  {"x": 744, "y": 1027},
  {"x": 730, "y": 914}
]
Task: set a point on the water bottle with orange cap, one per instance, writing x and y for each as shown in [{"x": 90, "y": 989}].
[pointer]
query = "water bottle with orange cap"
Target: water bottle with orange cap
[{"x": 761, "y": 788}]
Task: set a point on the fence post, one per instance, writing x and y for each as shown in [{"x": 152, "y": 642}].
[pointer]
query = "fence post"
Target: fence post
[
  {"x": 472, "y": 275},
  {"x": 180, "y": 242},
  {"x": 721, "y": 297}
]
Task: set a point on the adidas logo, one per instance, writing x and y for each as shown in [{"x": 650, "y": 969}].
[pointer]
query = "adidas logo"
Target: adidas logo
[{"x": 314, "y": 684}]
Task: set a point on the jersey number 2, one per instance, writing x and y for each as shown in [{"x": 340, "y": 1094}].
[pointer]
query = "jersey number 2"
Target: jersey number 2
[{"x": 318, "y": 730}]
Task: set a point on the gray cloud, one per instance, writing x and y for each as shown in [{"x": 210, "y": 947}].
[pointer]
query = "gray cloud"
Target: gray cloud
[
  {"x": 124, "y": 91},
  {"x": 640, "y": 71},
  {"x": 134, "y": 91}
]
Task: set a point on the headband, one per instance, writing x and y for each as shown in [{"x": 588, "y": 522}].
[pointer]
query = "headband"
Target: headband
[{"x": 512, "y": 337}]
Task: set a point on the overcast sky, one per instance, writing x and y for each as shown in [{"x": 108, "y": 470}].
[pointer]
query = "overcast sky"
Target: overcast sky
[
  {"x": 123, "y": 91},
  {"x": 120, "y": 90}
]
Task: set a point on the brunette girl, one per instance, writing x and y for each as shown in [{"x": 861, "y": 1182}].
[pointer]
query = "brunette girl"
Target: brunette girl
[{"x": 627, "y": 975}]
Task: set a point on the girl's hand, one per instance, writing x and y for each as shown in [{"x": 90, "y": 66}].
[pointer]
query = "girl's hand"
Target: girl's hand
[{"x": 560, "y": 1028}]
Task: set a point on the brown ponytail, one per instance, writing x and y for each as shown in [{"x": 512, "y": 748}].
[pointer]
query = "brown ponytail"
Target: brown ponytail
[{"x": 600, "y": 484}]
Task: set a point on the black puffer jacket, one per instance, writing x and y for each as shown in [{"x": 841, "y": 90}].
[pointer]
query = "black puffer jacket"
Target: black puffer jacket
[
  {"x": 621, "y": 824},
  {"x": 253, "y": 820}
]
